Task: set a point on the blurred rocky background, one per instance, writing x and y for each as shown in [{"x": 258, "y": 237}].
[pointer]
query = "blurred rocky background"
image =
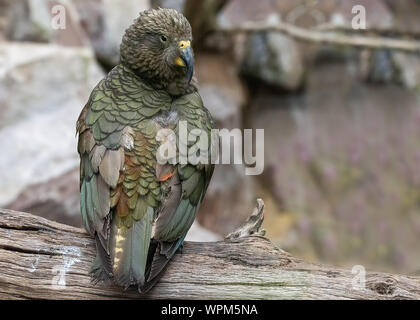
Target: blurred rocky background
[{"x": 342, "y": 125}]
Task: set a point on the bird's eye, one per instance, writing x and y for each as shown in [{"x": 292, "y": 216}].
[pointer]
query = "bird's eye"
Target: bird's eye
[{"x": 163, "y": 38}]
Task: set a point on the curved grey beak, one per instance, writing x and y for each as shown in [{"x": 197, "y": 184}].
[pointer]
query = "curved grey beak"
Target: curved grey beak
[{"x": 187, "y": 56}]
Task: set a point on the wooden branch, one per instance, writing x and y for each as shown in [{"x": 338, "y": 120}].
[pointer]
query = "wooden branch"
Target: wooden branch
[
  {"x": 41, "y": 259},
  {"x": 376, "y": 32},
  {"x": 327, "y": 37}
]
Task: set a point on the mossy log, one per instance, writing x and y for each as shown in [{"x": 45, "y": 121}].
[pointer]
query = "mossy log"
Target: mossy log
[{"x": 41, "y": 259}]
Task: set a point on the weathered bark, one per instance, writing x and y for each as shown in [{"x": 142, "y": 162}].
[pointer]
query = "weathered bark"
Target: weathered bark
[{"x": 45, "y": 260}]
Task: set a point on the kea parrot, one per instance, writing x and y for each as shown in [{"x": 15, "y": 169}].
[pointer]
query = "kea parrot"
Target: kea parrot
[{"x": 138, "y": 209}]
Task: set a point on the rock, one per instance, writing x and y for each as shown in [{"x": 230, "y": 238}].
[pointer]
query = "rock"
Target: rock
[
  {"x": 384, "y": 66},
  {"x": 407, "y": 69},
  {"x": 275, "y": 59},
  {"x": 42, "y": 91},
  {"x": 380, "y": 66},
  {"x": 25, "y": 20},
  {"x": 28, "y": 21},
  {"x": 4, "y": 17},
  {"x": 406, "y": 19},
  {"x": 57, "y": 199},
  {"x": 105, "y": 22}
]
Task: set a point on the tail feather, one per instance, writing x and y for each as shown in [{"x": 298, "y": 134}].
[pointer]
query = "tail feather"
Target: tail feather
[
  {"x": 160, "y": 253},
  {"x": 99, "y": 274},
  {"x": 103, "y": 256},
  {"x": 129, "y": 251},
  {"x": 102, "y": 266}
]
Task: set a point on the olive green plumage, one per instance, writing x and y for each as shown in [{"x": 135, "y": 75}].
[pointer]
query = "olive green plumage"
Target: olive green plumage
[{"x": 138, "y": 210}]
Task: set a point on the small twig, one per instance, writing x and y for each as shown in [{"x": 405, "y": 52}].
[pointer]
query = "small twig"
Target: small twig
[
  {"x": 252, "y": 226},
  {"x": 333, "y": 38}
]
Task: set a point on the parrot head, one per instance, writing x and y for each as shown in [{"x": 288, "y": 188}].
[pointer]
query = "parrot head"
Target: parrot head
[{"x": 157, "y": 46}]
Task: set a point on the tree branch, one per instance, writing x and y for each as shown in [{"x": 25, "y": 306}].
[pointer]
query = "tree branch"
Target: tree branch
[
  {"x": 328, "y": 37},
  {"x": 41, "y": 259},
  {"x": 375, "y": 32}
]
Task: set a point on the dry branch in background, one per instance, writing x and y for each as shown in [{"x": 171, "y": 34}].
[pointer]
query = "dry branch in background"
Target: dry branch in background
[
  {"x": 41, "y": 259},
  {"x": 372, "y": 31},
  {"x": 328, "y": 37}
]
